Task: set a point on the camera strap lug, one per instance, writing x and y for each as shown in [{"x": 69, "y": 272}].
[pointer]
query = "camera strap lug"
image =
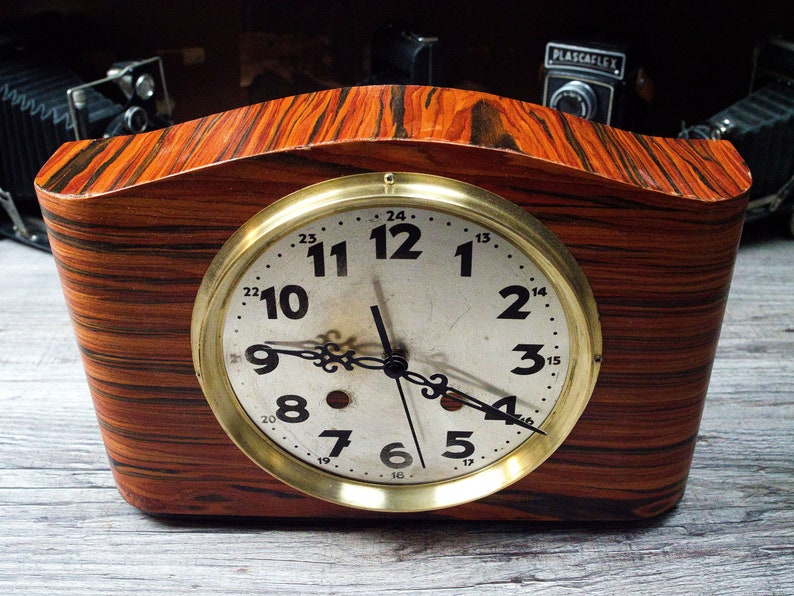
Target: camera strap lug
[{"x": 27, "y": 232}]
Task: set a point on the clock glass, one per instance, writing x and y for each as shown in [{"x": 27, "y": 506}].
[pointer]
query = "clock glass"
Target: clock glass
[{"x": 396, "y": 342}]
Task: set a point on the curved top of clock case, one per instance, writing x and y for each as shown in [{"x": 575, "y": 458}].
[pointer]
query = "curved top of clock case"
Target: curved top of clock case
[{"x": 703, "y": 170}]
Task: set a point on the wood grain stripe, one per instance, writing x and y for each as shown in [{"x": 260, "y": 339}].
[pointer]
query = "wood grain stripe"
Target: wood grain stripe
[{"x": 422, "y": 114}]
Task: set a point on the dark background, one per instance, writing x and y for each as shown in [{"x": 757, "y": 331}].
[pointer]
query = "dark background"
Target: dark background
[{"x": 220, "y": 55}]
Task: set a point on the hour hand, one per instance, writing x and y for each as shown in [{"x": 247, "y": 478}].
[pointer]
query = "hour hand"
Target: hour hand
[{"x": 395, "y": 364}]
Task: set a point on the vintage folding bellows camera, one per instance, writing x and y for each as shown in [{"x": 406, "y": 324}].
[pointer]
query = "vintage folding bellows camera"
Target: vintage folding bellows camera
[
  {"x": 390, "y": 300},
  {"x": 44, "y": 103},
  {"x": 761, "y": 127}
]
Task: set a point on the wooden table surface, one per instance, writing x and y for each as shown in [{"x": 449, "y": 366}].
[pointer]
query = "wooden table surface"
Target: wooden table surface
[{"x": 65, "y": 530}]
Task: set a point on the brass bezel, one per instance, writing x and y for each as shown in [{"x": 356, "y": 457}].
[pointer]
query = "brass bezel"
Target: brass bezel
[{"x": 398, "y": 190}]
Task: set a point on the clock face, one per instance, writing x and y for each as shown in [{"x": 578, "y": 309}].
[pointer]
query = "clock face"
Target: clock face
[{"x": 396, "y": 342}]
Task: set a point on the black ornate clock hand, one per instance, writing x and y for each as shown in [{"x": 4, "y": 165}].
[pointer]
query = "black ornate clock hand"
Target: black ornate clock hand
[
  {"x": 431, "y": 390},
  {"x": 392, "y": 366},
  {"x": 396, "y": 366},
  {"x": 330, "y": 357}
]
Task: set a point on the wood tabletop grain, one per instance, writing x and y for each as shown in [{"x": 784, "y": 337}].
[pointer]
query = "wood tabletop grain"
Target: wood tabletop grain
[{"x": 64, "y": 529}]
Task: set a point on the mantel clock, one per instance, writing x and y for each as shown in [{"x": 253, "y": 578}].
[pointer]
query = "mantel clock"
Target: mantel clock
[{"x": 397, "y": 300}]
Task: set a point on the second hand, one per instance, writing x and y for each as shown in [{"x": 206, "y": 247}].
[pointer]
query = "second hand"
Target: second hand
[{"x": 410, "y": 422}]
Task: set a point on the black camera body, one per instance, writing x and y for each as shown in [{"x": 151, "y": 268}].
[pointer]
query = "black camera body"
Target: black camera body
[
  {"x": 761, "y": 127},
  {"x": 44, "y": 103},
  {"x": 598, "y": 81},
  {"x": 401, "y": 55}
]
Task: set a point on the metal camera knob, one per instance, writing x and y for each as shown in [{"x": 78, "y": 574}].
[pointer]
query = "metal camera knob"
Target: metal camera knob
[
  {"x": 145, "y": 86},
  {"x": 575, "y": 97}
]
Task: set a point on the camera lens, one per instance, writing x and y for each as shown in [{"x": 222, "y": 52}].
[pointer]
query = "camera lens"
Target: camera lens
[
  {"x": 575, "y": 97},
  {"x": 136, "y": 119}
]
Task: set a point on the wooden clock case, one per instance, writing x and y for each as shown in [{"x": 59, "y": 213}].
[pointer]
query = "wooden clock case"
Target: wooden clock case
[{"x": 654, "y": 223}]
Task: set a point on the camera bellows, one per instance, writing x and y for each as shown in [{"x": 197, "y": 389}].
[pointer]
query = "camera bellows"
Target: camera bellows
[
  {"x": 34, "y": 118},
  {"x": 761, "y": 127}
]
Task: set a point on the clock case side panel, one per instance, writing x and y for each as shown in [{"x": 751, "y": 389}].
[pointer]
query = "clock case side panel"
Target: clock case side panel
[{"x": 131, "y": 262}]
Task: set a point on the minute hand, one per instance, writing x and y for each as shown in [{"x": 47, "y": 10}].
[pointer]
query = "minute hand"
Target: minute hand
[
  {"x": 438, "y": 384},
  {"x": 395, "y": 365}
]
